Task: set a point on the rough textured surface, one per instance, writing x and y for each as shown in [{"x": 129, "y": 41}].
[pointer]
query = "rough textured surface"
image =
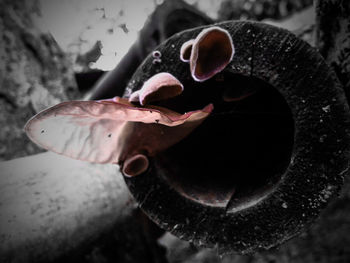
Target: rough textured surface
[
  {"x": 51, "y": 205},
  {"x": 77, "y": 212},
  {"x": 321, "y": 145},
  {"x": 34, "y": 74},
  {"x": 325, "y": 241}
]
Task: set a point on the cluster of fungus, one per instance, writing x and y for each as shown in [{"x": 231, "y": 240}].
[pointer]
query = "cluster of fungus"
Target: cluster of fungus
[
  {"x": 257, "y": 198},
  {"x": 126, "y": 131}
]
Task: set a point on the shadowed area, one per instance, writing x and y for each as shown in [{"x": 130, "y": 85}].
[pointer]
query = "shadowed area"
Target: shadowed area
[{"x": 239, "y": 152}]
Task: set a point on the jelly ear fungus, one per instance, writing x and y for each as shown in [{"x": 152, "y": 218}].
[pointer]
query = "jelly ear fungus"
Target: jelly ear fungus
[
  {"x": 212, "y": 50},
  {"x": 261, "y": 168},
  {"x": 159, "y": 87}
]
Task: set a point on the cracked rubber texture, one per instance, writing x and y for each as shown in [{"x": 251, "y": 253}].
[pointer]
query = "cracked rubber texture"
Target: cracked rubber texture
[{"x": 319, "y": 159}]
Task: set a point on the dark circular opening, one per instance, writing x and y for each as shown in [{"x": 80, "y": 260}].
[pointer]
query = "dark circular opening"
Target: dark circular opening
[{"x": 239, "y": 153}]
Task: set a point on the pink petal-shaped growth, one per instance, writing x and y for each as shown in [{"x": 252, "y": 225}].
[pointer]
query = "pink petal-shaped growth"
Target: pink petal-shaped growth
[
  {"x": 212, "y": 51},
  {"x": 135, "y": 96},
  {"x": 108, "y": 130},
  {"x": 185, "y": 51},
  {"x": 135, "y": 165},
  {"x": 160, "y": 87},
  {"x": 151, "y": 139}
]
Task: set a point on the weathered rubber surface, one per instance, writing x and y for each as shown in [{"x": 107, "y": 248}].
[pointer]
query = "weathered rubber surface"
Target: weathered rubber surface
[{"x": 320, "y": 156}]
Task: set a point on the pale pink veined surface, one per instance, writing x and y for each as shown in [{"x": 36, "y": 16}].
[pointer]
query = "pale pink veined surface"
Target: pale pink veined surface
[{"x": 108, "y": 131}]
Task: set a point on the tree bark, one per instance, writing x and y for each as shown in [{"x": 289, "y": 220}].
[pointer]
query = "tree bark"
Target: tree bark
[
  {"x": 280, "y": 207},
  {"x": 34, "y": 74}
]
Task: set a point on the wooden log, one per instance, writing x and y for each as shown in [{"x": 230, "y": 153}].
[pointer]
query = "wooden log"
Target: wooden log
[
  {"x": 256, "y": 172},
  {"x": 51, "y": 205},
  {"x": 327, "y": 240}
]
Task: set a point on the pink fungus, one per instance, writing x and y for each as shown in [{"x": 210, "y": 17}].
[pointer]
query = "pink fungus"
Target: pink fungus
[
  {"x": 212, "y": 51},
  {"x": 110, "y": 131},
  {"x": 135, "y": 97},
  {"x": 135, "y": 165},
  {"x": 185, "y": 51},
  {"x": 160, "y": 87}
]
